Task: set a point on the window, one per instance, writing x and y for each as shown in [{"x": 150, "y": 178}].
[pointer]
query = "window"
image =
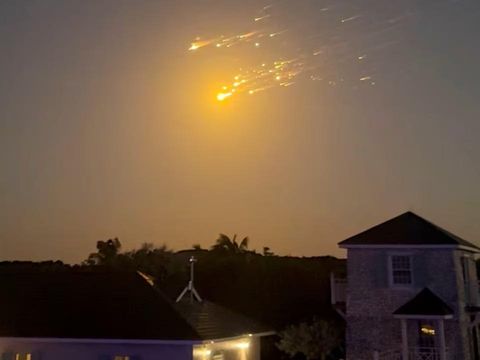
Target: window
[
  {"x": 401, "y": 270},
  {"x": 121, "y": 357}
]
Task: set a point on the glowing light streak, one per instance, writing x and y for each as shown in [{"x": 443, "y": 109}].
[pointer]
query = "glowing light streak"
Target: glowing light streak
[
  {"x": 199, "y": 44},
  {"x": 260, "y": 18},
  {"x": 273, "y": 34},
  {"x": 351, "y": 18},
  {"x": 223, "y": 96},
  {"x": 333, "y": 44}
]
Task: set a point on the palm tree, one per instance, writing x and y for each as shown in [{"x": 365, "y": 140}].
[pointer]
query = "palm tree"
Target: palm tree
[{"x": 231, "y": 246}]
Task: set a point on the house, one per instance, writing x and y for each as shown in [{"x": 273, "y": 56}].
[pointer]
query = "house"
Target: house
[
  {"x": 411, "y": 293},
  {"x": 103, "y": 315}
]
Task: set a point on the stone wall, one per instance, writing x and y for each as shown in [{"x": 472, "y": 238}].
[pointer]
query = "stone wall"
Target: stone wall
[{"x": 371, "y": 300}]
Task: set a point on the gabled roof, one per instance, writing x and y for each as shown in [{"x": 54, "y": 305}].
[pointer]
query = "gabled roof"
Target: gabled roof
[
  {"x": 407, "y": 229},
  {"x": 425, "y": 303},
  {"x": 213, "y": 321},
  {"x": 87, "y": 304}
]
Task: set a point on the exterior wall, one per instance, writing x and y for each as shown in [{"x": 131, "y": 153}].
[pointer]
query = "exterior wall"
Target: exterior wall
[
  {"x": 371, "y": 300},
  {"x": 466, "y": 297},
  {"x": 49, "y": 350},
  {"x": 242, "y": 348}
]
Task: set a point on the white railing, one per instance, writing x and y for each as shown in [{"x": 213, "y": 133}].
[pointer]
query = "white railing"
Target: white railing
[
  {"x": 388, "y": 355},
  {"x": 425, "y": 353},
  {"x": 338, "y": 289},
  {"x": 418, "y": 353}
]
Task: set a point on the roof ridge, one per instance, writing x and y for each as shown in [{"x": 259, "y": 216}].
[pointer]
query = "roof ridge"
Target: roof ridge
[
  {"x": 425, "y": 302},
  {"x": 407, "y": 228}
]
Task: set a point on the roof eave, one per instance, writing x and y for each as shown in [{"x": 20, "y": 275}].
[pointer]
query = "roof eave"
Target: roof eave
[
  {"x": 409, "y": 246},
  {"x": 260, "y": 334},
  {"x": 423, "y": 317}
]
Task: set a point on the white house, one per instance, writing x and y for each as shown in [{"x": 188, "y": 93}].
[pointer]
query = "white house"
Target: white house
[{"x": 100, "y": 315}]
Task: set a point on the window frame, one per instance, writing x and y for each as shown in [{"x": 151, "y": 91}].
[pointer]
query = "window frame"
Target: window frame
[{"x": 391, "y": 282}]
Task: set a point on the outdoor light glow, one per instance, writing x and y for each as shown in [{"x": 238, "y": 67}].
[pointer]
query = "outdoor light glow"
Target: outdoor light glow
[
  {"x": 243, "y": 345},
  {"x": 203, "y": 353},
  {"x": 427, "y": 330}
]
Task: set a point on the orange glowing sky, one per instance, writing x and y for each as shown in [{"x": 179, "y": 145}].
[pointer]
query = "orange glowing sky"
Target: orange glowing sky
[{"x": 111, "y": 127}]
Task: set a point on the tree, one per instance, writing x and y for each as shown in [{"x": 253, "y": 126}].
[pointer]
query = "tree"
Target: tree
[
  {"x": 313, "y": 340},
  {"x": 106, "y": 253},
  {"x": 231, "y": 246},
  {"x": 267, "y": 251},
  {"x": 150, "y": 260}
]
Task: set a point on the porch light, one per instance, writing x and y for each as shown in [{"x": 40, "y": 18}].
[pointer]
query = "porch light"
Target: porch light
[
  {"x": 427, "y": 330},
  {"x": 243, "y": 345}
]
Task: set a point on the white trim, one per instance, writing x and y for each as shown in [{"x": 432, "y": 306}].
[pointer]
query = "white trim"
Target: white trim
[
  {"x": 266, "y": 333},
  {"x": 101, "y": 341},
  {"x": 403, "y": 323},
  {"x": 443, "y": 347},
  {"x": 408, "y": 246},
  {"x": 422, "y": 317},
  {"x": 129, "y": 341}
]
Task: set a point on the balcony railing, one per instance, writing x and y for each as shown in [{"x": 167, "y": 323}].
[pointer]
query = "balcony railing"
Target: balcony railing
[
  {"x": 417, "y": 353},
  {"x": 425, "y": 353},
  {"x": 338, "y": 287}
]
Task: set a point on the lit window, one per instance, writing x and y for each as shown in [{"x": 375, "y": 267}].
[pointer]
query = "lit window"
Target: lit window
[
  {"x": 426, "y": 338},
  {"x": 121, "y": 357},
  {"x": 401, "y": 270}
]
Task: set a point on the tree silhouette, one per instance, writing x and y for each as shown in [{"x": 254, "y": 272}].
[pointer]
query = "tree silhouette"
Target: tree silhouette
[
  {"x": 267, "y": 251},
  {"x": 148, "y": 259},
  {"x": 106, "y": 254},
  {"x": 313, "y": 340},
  {"x": 231, "y": 246}
]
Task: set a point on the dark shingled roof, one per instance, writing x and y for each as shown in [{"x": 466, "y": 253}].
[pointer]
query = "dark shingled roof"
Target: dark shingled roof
[
  {"x": 213, "y": 321},
  {"x": 425, "y": 303},
  {"x": 406, "y": 229},
  {"x": 87, "y": 304}
]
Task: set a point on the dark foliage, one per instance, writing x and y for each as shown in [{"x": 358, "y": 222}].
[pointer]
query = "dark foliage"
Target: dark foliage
[{"x": 277, "y": 291}]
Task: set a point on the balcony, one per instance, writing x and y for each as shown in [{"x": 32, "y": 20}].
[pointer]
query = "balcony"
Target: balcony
[
  {"x": 416, "y": 353},
  {"x": 338, "y": 293}
]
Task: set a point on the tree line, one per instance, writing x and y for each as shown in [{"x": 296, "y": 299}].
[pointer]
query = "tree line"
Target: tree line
[{"x": 290, "y": 294}]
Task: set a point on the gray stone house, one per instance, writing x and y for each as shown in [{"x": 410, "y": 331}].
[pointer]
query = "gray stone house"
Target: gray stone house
[{"x": 411, "y": 293}]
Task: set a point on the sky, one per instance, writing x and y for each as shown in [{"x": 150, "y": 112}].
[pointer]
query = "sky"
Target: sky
[{"x": 335, "y": 115}]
